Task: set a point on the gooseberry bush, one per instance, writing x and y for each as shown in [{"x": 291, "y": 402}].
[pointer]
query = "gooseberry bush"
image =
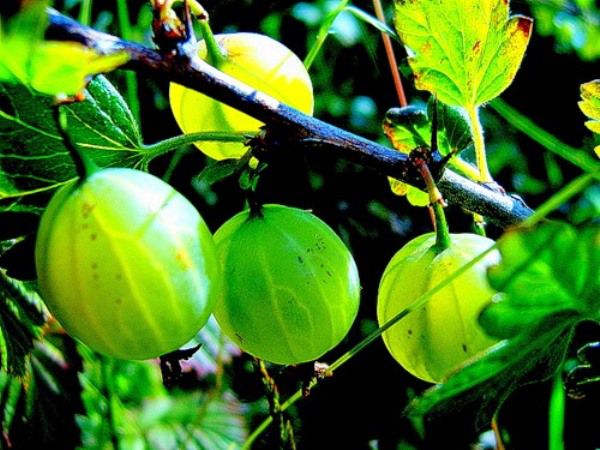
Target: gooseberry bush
[{"x": 299, "y": 224}]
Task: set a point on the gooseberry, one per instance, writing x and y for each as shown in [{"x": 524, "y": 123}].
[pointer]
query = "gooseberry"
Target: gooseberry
[
  {"x": 292, "y": 288},
  {"x": 126, "y": 264},
  {"x": 258, "y": 61},
  {"x": 432, "y": 341}
]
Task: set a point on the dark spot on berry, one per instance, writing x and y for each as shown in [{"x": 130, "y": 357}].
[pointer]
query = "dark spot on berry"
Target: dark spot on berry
[
  {"x": 300, "y": 260},
  {"x": 240, "y": 338},
  {"x": 94, "y": 265},
  {"x": 86, "y": 209},
  {"x": 119, "y": 301},
  {"x": 410, "y": 332},
  {"x": 464, "y": 347},
  {"x": 119, "y": 276},
  {"x": 93, "y": 236},
  {"x": 329, "y": 274}
]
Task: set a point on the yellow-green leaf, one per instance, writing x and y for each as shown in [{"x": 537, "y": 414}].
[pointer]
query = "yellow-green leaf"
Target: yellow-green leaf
[
  {"x": 52, "y": 68},
  {"x": 590, "y": 106},
  {"x": 466, "y": 52}
]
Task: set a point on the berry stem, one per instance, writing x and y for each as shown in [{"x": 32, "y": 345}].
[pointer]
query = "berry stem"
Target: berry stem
[
  {"x": 479, "y": 143},
  {"x": 442, "y": 233},
  {"x": 215, "y": 54},
  {"x": 83, "y": 164}
]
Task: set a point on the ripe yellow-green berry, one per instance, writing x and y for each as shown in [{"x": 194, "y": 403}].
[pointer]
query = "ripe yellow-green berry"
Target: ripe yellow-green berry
[
  {"x": 292, "y": 290},
  {"x": 432, "y": 341},
  {"x": 256, "y": 60},
  {"x": 126, "y": 264}
]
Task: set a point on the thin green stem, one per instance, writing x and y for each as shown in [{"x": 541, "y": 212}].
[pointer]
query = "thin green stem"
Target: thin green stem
[
  {"x": 215, "y": 54},
  {"x": 323, "y": 33},
  {"x": 479, "y": 143},
  {"x": 173, "y": 163},
  {"x": 556, "y": 419},
  {"x": 85, "y": 12},
  {"x": 567, "y": 192},
  {"x": 131, "y": 83},
  {"x": 561, "y": 197},
  {"x": 83, "y": 164},
  {"x": 574, "y": 155},
  {"x": 151, "y": 151},
  {"x": 464, "y": 168},
  {"x": 442, "y": 232}
]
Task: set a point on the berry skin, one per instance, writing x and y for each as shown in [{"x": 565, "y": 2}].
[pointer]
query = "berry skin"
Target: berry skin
[
  {"x": 433, "y": 341},
  {"x": 256, "y": 60},
  {"x": 292, "y": 290},
  {"x": 126, "y": 264}
]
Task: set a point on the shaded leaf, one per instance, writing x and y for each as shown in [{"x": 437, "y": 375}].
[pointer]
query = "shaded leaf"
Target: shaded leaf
[
  {"x": 590, "y": 105},
  {"x": 218, "y": 171},
  {"x": 32, "y": 155},
  {"x": 22, "y": 315},
  {"x": 466, "y": 52},
  {"x": 38, "y": 411},
  {"x": 487, "y": 382},
  {"x": 551, "y": 270},
  {"x": 51, "y": 68}
]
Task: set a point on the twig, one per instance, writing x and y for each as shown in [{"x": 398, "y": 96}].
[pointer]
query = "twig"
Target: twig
[{"x": 288, "y": 124}]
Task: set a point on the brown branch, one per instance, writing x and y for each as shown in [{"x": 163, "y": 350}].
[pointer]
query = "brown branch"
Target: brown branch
[{"x": 292, "y": 125}]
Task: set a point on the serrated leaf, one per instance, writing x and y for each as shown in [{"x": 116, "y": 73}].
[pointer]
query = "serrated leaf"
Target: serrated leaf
[
  {"x": 51, "y": 68},
  {"x": 22, "y": 315},
  {"x": 466, "y": 52},
  {"x": 552, "y": 270},
  {"x": 33, "y": 157},
  {"x": 590, "y": 106},
  {"x": 489, "y": 381}
]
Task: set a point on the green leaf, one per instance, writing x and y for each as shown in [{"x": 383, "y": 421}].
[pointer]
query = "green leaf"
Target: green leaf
[
  {"x": 32, "y": 155},
  {"x": 22, "y": 315},
  {"x": 466, "y": 52},
  {"x": 552, "y": 270},
  {"x": 549, "y": 278},
  {"x": 590, "y": 106},
  {"x": 218, "y": 171},
  {"x": 410, "y": 127},
  {"x": 52, "y": 68}
]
